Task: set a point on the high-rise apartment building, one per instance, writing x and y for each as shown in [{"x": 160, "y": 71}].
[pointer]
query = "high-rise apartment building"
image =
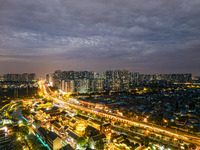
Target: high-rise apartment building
[
  {"x": 68, "y": 86},
  {"x": 83, "y": 85},
  {"x": 31, "y": 77},
  {"x": 117, "y": 80},
  {"x": 110, "y": 80},
  {"x": 97, "y": 85},
  {"x": 49, "y": 79},
  {"x": 25, "y": 77},
  {"x": 123, "y": 80},
  {"x": 57, "y": 79}
]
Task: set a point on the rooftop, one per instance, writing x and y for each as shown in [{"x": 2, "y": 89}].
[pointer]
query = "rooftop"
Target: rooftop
[
  {"x": 98, "y": 137},
  {"x": 42, "y": 131},
  {"x": 52, "y": 135},
  {"x": 67, "y": 147},
  {"x": 72, "y": 134},
  {"x": 82, "y": 117}
]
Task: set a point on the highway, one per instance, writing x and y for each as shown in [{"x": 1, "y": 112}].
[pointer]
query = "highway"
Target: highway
[
  {"x": 187, "y": 137},
  {"x": 180, "y": 135},
  {"x": 4, "y": 106}
]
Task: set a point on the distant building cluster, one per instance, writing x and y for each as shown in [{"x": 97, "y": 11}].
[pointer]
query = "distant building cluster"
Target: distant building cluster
[
  {"x": 110, "y": 80},
  {"x": 25, "y": 77},
  {"x": 136, "y": 78}
]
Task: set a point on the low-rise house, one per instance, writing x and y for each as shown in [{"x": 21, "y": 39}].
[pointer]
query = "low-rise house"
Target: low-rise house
[
  {"x": 80, "y": 127},
  {"x": 44, "y": 105},
  {"x": 95, "y": 123},
  {"x": 65, "y": 120},
  {"x": 42, "y": 133},
  {"x": 82, "y": 118},
  {"x": 32, "y": 116},
  {"x": 72, "y": 122},
  {"x": 67, "y": 147},
  {"x": 36, "y": 124},
  {"x": 5, "y": 143},
  {"x": 91, "y": 131},
  {"x": 193, "y": 120},
  {"x": 106, "y": 129},
  {"x": 100, "y": 139},
  {"x": 54, "y": 141},
  {"x": 72, "y": 138},
  {"x": 181, "y": 121},
  {"x": 56, "y": 127},
  {"x": 118, "y": 139}
]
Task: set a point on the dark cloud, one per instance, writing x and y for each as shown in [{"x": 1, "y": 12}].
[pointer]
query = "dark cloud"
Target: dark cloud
[{"x": 146, "y": 36}]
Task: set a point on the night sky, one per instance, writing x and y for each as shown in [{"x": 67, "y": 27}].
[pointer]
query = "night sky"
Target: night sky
[{"x": 146, "y": 36}]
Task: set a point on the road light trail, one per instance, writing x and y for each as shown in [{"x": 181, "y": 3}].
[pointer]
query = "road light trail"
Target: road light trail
[{"x": 181, "y": 135}]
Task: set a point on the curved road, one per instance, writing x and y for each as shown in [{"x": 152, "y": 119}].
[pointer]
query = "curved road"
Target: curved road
[{"x": 178, "y": 134}]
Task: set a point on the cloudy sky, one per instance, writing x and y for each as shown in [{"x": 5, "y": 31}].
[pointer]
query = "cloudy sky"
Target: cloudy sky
[{"x": 146, "y": 36}]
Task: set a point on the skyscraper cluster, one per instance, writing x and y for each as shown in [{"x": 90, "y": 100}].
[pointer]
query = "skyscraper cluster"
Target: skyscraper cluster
[
  {"x": 137, "y": 78},
  {"x": 85, "y": 81},
  {"x": 25, "y": 77},
  {"x": 110, "y": 80}
]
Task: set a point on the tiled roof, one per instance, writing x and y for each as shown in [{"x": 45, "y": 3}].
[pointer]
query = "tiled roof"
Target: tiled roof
[
  {"x": 96, "y": 121},
  {"x": 108, "y": 124},
  {"x": 57, "y": 125},
  {"x": 52, "y": 135},
  {"x": 66, "y": 127},
  {"x": 82, "y": 117},
  {"x": 67, "y": 147},
  {"x": 73, "y": 121},
  {"x": 98, "y": 137},
  {"x": 42, "y": 131},
  {"x": 92, "y": 130},
  {"x": 72, "y": 134}
]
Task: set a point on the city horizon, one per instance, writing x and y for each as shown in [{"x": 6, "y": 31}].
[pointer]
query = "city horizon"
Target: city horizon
[{"x": 44, "y": 75}]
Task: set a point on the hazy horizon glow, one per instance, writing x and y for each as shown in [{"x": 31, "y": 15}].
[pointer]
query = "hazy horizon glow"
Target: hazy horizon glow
[{"x": 96, "y": 35}]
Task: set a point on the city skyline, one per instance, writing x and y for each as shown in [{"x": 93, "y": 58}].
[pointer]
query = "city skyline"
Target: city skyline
[
  {"x": 154, "y": 37},
  {"x": 91, "y": 71}
]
